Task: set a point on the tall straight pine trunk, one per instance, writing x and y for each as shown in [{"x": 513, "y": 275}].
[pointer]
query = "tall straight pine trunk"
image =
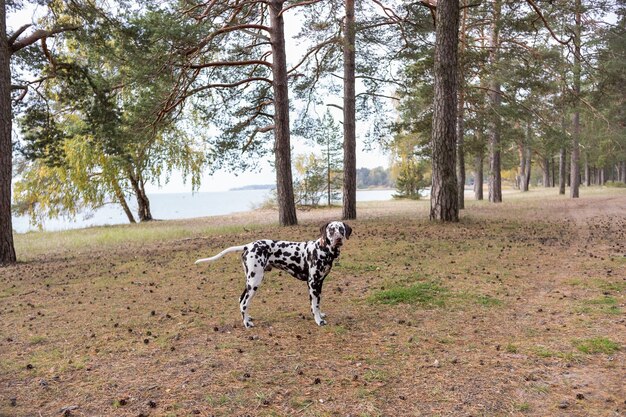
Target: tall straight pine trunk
[
  {"x": 282, "y": 141},
  {"x": 478, "y": 176},
  {"x": 349, "y": 114},
  {"x": 460, "y": 126},
  {"x": 7, "y": 248},
  {"x": 444, "y": 201},
  {"x": 575, "y": 165},
  {"x": 495, "y": 97}
]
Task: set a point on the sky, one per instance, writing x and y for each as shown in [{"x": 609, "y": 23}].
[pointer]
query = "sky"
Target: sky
[{"x": 223, "y": 180}]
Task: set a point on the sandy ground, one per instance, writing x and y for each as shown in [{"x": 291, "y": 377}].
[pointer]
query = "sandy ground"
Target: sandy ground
[{"x": 520, "y": 312}]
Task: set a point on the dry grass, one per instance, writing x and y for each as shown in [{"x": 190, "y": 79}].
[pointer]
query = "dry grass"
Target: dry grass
[{"x": 516, "y": 310}]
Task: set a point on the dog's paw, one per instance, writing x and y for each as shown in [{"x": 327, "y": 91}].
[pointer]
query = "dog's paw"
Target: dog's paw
[
  {"x": 248, "y": 324},
  {"x": 321, "y": 322},
  {"x": 323, "y": 315}
]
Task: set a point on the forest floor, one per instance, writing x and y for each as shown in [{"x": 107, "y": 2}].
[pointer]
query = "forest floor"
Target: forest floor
[{"x": 518, "y": 309}]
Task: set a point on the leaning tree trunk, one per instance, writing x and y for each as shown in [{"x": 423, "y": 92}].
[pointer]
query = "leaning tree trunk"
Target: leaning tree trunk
[
  {"x": 575, "y": 174},
  {"x": 143, "y": 203},
  {"x": 349, "y": 114},
  {"x": 282, "y": 145},
  {"x": 495, "y": 175},
  {"x": 119, "y": 194},
  {"x": 478, "y": 175},
  {"x": 444, "y": 201},
  {"x": 7, "y": 248}
]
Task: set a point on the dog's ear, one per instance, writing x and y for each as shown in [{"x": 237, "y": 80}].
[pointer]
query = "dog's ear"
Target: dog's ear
[
  {"x": 348, "y": 230},
  {"x": 323, "y": 234}
]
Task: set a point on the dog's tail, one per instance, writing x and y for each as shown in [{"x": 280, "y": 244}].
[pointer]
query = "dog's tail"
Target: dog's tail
[{"x": 222, "y": 253}]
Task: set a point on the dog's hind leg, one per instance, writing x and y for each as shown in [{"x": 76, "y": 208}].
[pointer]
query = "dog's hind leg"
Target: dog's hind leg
[{"x": 254, "y": 277}]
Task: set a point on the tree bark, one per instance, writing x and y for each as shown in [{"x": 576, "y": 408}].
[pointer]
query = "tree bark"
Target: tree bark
[
  {"x": 460, "y": 139},
  {"x": 143, "y": 203},
  {"x": 282, "y": 142},
  {"x": 478, "y": 176},
  {"x": 495, "y": 97},
  {"x": 562, "y": 174},
  {"x": 444, "y": 201},
  {"x": 7, "y": 246},
  {"x": 528, "y": 168},
  {"x": 546, "y": 172},
  {"x": 349, "y": 114},
  {"x": 575, "y": 174},
  {"x": 122, "y": 201}
]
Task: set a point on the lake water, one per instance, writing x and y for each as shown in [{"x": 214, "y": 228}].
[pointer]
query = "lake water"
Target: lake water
[{"x": 177, "y": 206}]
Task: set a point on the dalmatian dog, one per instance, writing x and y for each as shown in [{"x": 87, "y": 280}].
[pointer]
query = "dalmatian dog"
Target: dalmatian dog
[{"x": 307, "y": 261}]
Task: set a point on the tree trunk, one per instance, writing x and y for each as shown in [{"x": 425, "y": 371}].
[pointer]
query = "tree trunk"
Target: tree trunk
[
  {"x": 602, "y": 176},
  {"x": 444, "y": 201},
  {"x": 282, "y": 145},
  {"x": 528, "y": 167},
  {"x": 521, "y": 172},
  {"x": 495, "y": 176},
  {"x": 349, "y": 114},
  {"x": 328, "y": 173},
  {"x": 143, "y": 203},
  {"x": 546, "y": 172},
  {"x": 587, "y": 176},
  {"x": 562, "y": 158},
  {"x": 122, "y": 200},
  {"x": 460, "y": 139},
  {"x": 478, "y": 176},
  {"x": 575, "y": 174},
  {"x": 7, "y": 247},
  {"x": 622, "y": 175}
]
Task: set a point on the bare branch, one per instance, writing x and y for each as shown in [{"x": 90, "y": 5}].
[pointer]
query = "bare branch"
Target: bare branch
[
  {"x": 315, "y": 50},
  {"x": 546, "y": 24},
  {"x": 302, "y": 3},
  {"x": 229, "y": 64},
  {"x": 17, "y": 34},
  {"x": 334, "y": 105},
  {"x": 227, "y": 85},
  {"x": 37, "y": 35},
  {"x": 377, "y": 95}
]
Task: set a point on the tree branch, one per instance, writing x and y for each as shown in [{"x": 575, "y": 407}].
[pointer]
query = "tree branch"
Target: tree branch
[
  {"x": 302, "y": 3},
  {"x": 229, "y": 64},
  {"x": 546, "y": 24},
  {"x": 17, "y": 34},
  {"x": 226, "y": 85},
  {"x": 37, "y": 35}
]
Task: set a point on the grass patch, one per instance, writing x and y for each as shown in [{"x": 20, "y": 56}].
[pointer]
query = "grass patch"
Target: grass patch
[
  {"x": 599, "y": 283},
  {"x": 511, "y": 348},
  {"x": 488, "y": 301},
  {"x": 605, "y": 305},
  {"x": 544, "y": 352},
  {"x": 597, "y": 345},
  {"x": 423, "y": 293}
]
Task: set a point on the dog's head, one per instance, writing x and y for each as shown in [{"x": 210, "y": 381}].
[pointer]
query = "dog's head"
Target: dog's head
[{"x": 334, "y": 233}]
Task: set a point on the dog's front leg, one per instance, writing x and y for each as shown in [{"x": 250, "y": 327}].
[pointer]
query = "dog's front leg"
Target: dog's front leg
[{"x": 315, "y": 296}]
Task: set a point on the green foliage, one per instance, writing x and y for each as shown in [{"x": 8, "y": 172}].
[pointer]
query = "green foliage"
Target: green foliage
[
  {"x": 615, "y": 184},
  {"x": 95, "y": 134},
  {"x": 410, "y": 170},
  {"x": 378, "y": 177},
  {"x": 320, "y": 176}
]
